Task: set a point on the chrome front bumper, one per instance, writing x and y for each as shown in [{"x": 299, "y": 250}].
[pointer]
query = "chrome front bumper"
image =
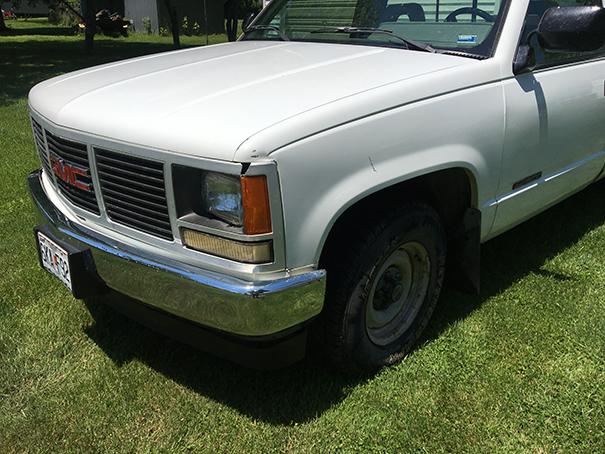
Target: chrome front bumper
[{"x": 207, "y": 298}]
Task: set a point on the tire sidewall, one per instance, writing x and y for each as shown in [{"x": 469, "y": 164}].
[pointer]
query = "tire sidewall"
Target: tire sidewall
[{"x": 418, "y": 225}]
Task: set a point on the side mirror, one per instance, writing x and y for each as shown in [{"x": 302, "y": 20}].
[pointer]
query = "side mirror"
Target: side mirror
[
  {"x": 572, "y": 29},
  {"x": 525, "y": 60}
]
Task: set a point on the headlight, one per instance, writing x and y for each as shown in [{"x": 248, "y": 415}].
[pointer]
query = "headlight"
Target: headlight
[
  {"x": 241, "y": 201},
  {"x": 222, "y": 196},
  {"x": 238, "y": 205}
]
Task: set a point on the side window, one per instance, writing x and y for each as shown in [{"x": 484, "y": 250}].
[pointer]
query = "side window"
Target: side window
[{"x": 534, "y": 13}]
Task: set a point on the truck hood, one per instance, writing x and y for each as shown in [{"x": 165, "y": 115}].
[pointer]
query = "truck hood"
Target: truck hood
[{"x": 208, "y": 101}]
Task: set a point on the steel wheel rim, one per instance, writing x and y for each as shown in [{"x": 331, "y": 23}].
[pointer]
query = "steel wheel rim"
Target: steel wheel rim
[{"x": 398, "y": 292}]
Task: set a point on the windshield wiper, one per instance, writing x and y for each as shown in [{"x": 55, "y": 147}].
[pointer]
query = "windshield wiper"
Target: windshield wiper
[
  {"x": 369, "y": 30},
  {"x": 254, "y": 28}
]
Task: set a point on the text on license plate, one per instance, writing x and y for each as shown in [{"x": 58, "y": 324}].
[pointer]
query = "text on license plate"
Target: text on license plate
[{"x": 55, "y": 259}]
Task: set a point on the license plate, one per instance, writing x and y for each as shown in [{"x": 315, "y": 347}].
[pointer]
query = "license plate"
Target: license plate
[{"x": 55, "y": 259}]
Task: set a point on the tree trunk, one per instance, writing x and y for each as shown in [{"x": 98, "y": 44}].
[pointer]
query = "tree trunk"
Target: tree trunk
[
  {"x": 176, "y": 39},
  {"x": 91, "y": 26},
  {"x": 3, "y": 26},
  {"x": 174, "y": 23}
]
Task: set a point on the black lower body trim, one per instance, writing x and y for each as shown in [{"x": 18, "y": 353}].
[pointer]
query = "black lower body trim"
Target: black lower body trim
[{"x": 262, "y": 353}]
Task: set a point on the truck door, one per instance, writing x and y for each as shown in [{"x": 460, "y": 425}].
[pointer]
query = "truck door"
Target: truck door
[{"x": 554, "y": 140}]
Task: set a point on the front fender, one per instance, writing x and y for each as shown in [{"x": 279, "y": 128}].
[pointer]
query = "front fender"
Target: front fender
[{"x": 323, "y": 175}]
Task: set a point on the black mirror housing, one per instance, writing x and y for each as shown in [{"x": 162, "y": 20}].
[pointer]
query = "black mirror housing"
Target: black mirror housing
[
  {"x": 572, "y": 29},
  {"x": 525, "y": 60}
]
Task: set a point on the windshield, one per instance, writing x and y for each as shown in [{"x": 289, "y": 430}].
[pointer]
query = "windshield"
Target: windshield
[{"x": 467, "y": 26}]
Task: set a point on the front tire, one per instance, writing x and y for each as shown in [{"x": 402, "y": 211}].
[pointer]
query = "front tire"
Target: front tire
[{"x": 383, "y": 289}]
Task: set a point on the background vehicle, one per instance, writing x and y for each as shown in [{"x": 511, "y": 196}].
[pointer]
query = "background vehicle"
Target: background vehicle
[
  {"x": 110, "y": 24},
  {"x": 8, "y": 14}
]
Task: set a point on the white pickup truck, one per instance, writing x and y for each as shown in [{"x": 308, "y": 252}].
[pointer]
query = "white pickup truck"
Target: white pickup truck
[{"x": 313, "y": 182}]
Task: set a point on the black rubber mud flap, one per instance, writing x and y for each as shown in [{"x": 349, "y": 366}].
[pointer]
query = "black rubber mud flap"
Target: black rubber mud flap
[{"x": 464, "y": 261}]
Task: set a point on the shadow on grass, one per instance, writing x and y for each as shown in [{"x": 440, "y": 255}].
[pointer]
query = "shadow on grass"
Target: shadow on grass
[
  {"x": 25, "y": 63},
  {"x": 292, "y": 395},
  {"x": 305, "y": 390},
  {"x": 523, "y": 250}
]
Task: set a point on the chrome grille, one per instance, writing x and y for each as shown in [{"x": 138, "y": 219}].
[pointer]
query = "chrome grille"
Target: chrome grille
[
  {"x": 133, "y": 192},
  {"x": 74, "y": 154},
  {"x": 39, "y": 139}
]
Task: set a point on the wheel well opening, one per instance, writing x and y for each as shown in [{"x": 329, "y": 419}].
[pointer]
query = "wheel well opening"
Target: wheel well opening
[{"x": 450, "y": 192}]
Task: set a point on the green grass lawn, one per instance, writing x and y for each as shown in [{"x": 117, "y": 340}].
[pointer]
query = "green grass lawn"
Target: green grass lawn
[{"x": 520, "y": 368}]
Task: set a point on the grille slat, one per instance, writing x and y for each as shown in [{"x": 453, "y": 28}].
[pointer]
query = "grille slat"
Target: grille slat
[
  {"x": 67, "y": 156},
  {"x": 38, "y": 131},
  {"x": 74, "y": 153},
  {"x": 129, "y": 181},
  {"x": 37, "y": 126},
  {"x": 159, "y": 172},
  {"x": 39, "y": 139},
  {"x": 40, "y": 143},
  {"x": 133, "y": 191},
  {"x": 64, "y": 144},
  {"x": 154, "y": 181},
  {"x": 142, "y": 226},
  {"x": 77, "y": 198},
  {"x": 110, "y": 194},
  {"x": 112, "y": 201},
  {"x": 72, "y": 159},
  {"x": 138, "y": 216}
]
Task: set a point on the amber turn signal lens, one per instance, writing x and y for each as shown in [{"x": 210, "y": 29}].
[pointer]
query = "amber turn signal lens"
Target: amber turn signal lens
[
  {"x": 255, "y": 201},
  {"x": 261, "y": 252}
]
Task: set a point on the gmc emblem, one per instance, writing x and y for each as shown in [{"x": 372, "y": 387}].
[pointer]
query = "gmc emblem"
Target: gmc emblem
[{"x": 69, "y": 173}]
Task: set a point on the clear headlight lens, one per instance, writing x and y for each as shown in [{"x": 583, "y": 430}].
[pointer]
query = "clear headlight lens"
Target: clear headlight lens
[{"x": 222, "y": 195}]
